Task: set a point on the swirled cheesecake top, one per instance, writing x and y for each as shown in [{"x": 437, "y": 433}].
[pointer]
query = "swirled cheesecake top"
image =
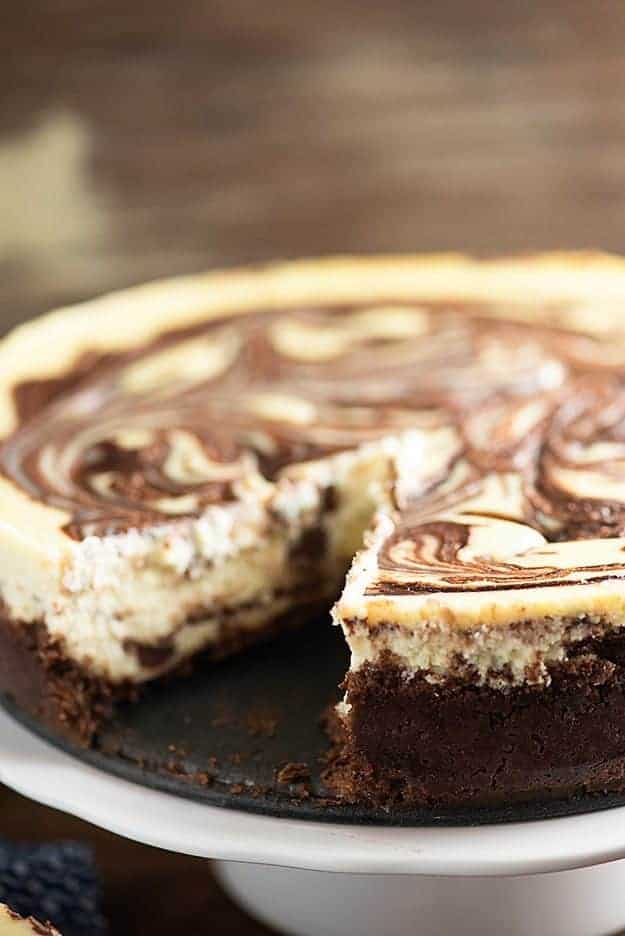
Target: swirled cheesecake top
[
  {"x": 197, "y": 416},
  {"x": 507, "y": 378}
]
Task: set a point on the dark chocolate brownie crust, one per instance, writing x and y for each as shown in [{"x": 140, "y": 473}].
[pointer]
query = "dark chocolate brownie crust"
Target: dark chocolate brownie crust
[
  {"x": 38, "y": 676},
  {"x": 407, "y": 742}
]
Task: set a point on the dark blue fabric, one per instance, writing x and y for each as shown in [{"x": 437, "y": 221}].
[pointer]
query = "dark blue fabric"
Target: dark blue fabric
[{"x": 56, "y": 882}]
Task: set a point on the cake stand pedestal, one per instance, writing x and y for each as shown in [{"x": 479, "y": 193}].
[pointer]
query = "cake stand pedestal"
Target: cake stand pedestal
[{"x": 555, "y": 877}]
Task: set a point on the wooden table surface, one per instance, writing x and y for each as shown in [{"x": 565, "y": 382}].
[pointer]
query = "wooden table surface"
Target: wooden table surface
[{"x": 139, "y": 140}]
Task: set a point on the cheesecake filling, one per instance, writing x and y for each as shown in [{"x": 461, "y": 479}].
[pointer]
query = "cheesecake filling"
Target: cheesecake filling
[
  {"x": 133, "y": 604},
  {"x": 158, "y": 498},
  {"x": 498, "y": 563}
]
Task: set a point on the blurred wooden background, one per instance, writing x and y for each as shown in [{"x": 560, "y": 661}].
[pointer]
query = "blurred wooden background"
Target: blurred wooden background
[{"x": 139, "y": 140}]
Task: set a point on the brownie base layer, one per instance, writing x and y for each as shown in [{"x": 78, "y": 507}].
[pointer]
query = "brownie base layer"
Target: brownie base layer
[
  {"x": 41, "y": 680},
  {"x": 407, "y": 743},
  {"x": 231, "y": 735}
]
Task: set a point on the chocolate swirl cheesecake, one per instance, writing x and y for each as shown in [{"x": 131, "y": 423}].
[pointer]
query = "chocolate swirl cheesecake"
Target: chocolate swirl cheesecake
[{"x": 189, "y": 466}]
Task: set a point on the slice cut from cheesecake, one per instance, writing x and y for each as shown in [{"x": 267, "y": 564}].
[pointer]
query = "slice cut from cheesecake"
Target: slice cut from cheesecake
[{"x": 188, "y": 466}]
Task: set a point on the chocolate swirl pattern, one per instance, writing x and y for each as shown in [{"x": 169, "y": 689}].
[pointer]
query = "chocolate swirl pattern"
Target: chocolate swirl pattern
[
  {"x": 536, "y": 499},
  {"x": 532, "y": 416},
  {"x": 205, "y": 417}
]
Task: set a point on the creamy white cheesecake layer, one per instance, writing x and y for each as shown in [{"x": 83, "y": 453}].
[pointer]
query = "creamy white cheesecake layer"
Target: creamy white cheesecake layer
[
  {"x": 476, "y": 575},
  {"x": 233, "y": 570},
  {"x": 500, "y": 637},
  {"x": 101, "y": 592}
]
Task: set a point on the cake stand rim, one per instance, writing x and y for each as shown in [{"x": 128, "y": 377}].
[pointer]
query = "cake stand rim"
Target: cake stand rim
[{"x": 36, "y": 769}]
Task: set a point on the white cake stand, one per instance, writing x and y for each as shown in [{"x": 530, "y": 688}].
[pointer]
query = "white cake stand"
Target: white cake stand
[{"x": 557, "y": 877}]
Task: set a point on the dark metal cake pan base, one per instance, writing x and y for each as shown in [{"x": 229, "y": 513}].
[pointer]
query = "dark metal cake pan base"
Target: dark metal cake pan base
[{"x": 222, "y": 735}]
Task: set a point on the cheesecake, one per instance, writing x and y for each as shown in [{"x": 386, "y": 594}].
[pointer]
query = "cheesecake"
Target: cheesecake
[
  {"x": 11, "y": 924},
  {"x": 195, "y": 465}
]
